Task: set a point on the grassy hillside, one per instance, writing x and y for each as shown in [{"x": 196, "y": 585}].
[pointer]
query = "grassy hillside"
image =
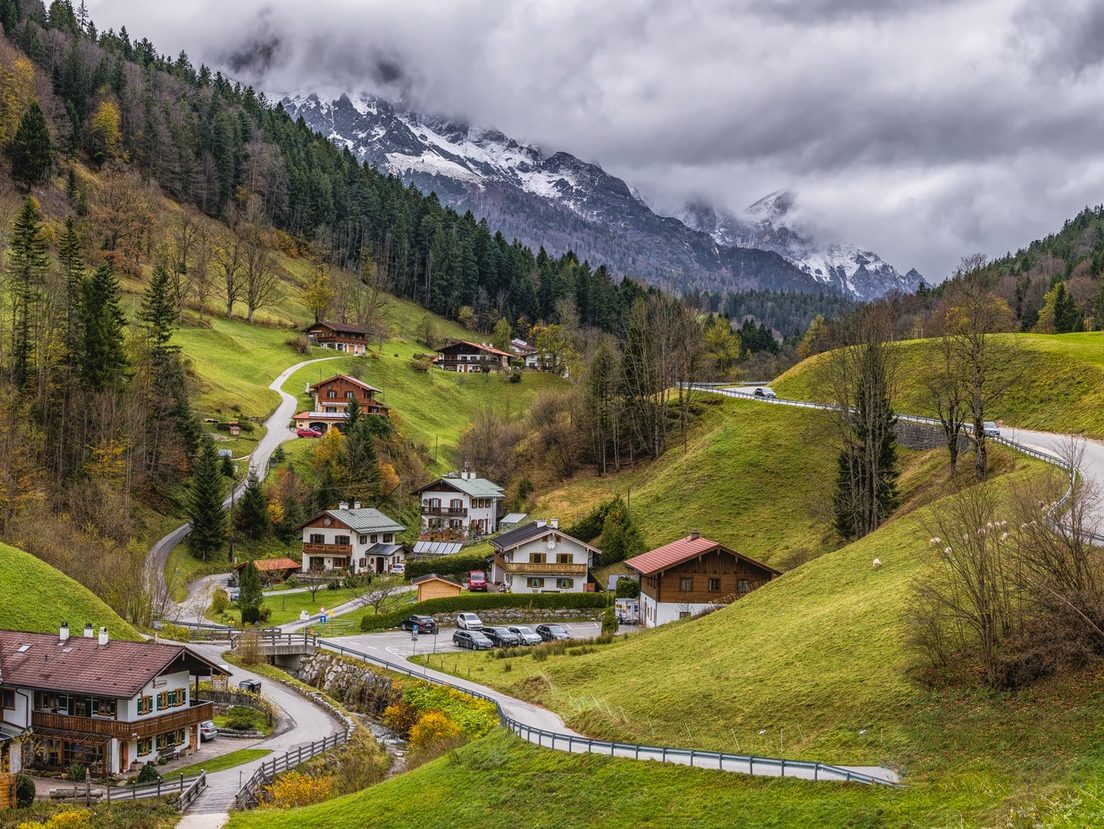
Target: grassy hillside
[
  {"x": 1056, "y": 381},
  {"x": 38, "y": 598}
]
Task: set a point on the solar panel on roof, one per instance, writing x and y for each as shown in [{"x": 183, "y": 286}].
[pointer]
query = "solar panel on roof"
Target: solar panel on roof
[{"x": 437, "y": 548}]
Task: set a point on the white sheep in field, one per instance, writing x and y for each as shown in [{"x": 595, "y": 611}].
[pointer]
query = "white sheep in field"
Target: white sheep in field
[{"x": 877, "y": 563}]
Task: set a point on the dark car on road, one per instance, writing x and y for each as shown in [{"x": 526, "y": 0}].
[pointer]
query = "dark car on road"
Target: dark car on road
[
  {"x": 423, "y": 624},
  {"x": 472, "y": 640},
  {"x": 502, "y": 636},
  {"x": 551, "y": 633}
]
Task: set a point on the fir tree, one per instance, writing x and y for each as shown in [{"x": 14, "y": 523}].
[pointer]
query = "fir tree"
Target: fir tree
[
  {"x": 361, "y": 462},
  {"x": 250, "y": 597},
  {"x": 30, "y": 152},
  {"x": 27, "y": 264},
  {"x": 72, "y": 269},
  {"x": 205, "y": 510},
  {"x": 226, "y": 466},
  {"x": 353, "y": 414},
  {"x": 158, "y": 311},
  {"x": 252, "y": 518},
  {"x": 621, "y": 537},
  {"x": 102, "y": 324}
]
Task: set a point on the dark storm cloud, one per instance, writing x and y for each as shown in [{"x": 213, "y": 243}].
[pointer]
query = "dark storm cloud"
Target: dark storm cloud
[{"x": 923, "y": 130}]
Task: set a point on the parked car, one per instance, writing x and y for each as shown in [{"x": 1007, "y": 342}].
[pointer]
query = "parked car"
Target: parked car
[
  {"x": 207, "y": 731},
  {"x": 398, "y": 569},
  {"x": 991, "y": 429},
  {"x": 424, "y": 624},
  {"x": 472, "y": 640},
  {"x": 528, "y": 636},
  {"x": 304, "y": 432},
  {"x": 469, "y": 621},
  {"x": 250, "y": 686},
  {"x": 477, "y": 580},
  {"x": 502, "y": 636},
  {"x": 233, "y": 593},
  {"x": 551, "y": 633},
  {"x": 763, "y": 391}
]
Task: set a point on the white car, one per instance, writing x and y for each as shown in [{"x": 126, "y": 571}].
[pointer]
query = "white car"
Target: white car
[
  {"x": 991, "y": 429},
  {"x": 233, "y": 593},
  {"x": 207, "y": 731},
  {"x": 398, "y": 569},
  {"x": 528, "y": 636},
  {"x": 763, "y": 391},
  {"x": 469, "y": 621}
]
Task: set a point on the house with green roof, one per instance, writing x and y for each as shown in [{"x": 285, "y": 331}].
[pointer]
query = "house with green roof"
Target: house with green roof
[
  {"x": 461, "y": 505},
  {"x": 351, "y": 539}
]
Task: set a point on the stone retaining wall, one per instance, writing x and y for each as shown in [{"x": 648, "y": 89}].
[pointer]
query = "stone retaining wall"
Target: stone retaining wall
[{"x": 349, "y": 682}]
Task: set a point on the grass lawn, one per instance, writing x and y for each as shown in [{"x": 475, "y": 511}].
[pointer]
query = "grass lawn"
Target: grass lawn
[
  {"x": 38, "y": 598},
  {"x": 243, "y": 718},
  {"x": 1057, "y": 381},
  {"x": 223, "y": 762},
  {"x": 286, "y": 608}
]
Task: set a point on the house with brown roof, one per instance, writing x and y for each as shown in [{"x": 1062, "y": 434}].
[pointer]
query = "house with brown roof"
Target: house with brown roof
[
  {"x": 330, "y": 401},
  {"x": 539, "y": 557},
  {"x": 468, "y": 357},
  {"x": 340, "y": 336},
  {"x": 693, "y": 575},
  {"x": 272, "y": 569},
  {"x": 432, "y": 586},
  {"x": 108, "y": 705}
]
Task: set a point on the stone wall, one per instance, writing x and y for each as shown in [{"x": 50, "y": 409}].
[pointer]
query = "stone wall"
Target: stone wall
[
  {"x": 926, "y": 436},
  {"x": 348, "y": 681},
  {"x": 526, "y": 615}
]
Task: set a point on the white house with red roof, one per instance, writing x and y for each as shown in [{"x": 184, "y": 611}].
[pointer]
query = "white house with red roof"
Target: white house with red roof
[{"x": 692, "y": 575}]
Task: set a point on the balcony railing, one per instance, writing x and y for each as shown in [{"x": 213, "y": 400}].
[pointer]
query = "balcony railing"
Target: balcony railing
[
  {"x": 327, "y": 549},
  {"x": 549, "y": 568},
  {"x": 449, "y": 512},
  {"x": 182, "y": 717}
]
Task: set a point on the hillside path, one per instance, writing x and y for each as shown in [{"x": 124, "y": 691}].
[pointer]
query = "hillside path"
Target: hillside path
[{"x": 277, "y": 431}]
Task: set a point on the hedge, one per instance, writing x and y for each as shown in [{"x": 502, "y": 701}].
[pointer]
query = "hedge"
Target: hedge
[
  {"x": 472, "y": 602},
  {"x": 447, "y": 565}
]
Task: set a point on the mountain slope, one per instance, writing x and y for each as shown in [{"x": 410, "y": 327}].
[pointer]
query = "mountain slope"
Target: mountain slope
[
  {"x": 555, "y": 201},
  {"x": 769, "y": 224}
]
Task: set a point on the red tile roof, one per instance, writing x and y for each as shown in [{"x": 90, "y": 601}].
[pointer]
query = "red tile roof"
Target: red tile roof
[
  {"x": 269, "y": 564},
  {"x": 347, "y": 379},
  {"x": 339, "y": 327},
  {"x": 684, "y": 549},
  {"x": 490, "y": 349},
  {"x": 82, "y": 665}
]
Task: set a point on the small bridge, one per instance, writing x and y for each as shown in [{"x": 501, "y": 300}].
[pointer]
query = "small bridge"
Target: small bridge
[{"x": 276, "y": 646}]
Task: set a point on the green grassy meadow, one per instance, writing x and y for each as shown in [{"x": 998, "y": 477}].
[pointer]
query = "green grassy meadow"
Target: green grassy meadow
[{"x": 224, "y": 761}]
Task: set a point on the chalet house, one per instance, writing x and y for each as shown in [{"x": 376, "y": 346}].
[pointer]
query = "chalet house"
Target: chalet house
[
  {"x": 110, "y": 706},
  {"x": 469, "y": 357},
  {"x": 464, "y": 504},
  {"x": 539, "y": 558},
  {"x": 525, "y": 352},
  {"x": 349, "y": 339},
  {"x": 691, "y": 575},
  {"x": 331, "y": 398},
  {"x": 351, "y": 540}
]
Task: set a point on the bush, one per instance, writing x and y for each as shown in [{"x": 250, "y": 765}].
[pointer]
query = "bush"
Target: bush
[
  {"x": 446, "y": 565},
  {"x": 400, "y": 717},
  {"x": 67, "y": 819},
  {"x": 24, "y": 791},
  {"x": 609, "y": 621},
  {"x": 294, "y": 788},
  {"x": 299, "y": 344},
  {"x": 219, "y": 602},
  {"x": 246, "y": 426},
  {"x": 242, "y": 718},
  {"x": 514, "y": 376},
  {"x": 278, "y": 455},
  {"x": 149, "y": 774},
  {"x": 420, "y": 364},
  {"x": 627, "y": 588},
  {"x": 434, "y": 731},
  {"x": 474, "y": 602},
  {"x": 76, "y": 771}
]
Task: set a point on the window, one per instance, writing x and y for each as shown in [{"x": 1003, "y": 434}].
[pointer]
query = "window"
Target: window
[
  {"x": 686, "y": 584},
  {"x": 317, "y": 538},
  {"x": 145, "y": 746},
  {"x": 537, "y": 558},
  {"x": 714, "y": 585},
  {"x": 363, "y": 539},
  {"x": 363, "y": 563},
  {"x": 564, "y": 558},
  {"x": 331, "y": 394},
  {"x": 9, "y": 697},
  {"x": 373, "y": 538},
  {"x": 565, "y": 584},
  {"x": 145, "y": 706},
  {"x": 535, "y": 584},
  {"x": 341, "y": 539},
  {"x": 742, "y": 586},
  {"x": 456, "y": 504},
  {"x": 684, "y": 614},
  {"x": 348, "y": 395},
  {"x": 104, "y": 708}
]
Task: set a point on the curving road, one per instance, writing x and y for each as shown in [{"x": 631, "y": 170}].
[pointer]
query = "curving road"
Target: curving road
[{"x": 276, "y": 432}]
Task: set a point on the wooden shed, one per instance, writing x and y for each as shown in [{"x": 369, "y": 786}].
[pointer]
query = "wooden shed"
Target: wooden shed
[{"x": 432, "y": 586}]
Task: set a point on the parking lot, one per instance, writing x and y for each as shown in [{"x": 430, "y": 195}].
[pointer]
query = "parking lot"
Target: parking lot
[{"x": 401, "y": 643}]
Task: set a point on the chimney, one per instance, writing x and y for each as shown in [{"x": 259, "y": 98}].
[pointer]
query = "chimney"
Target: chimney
[
  {"x": 356, "y": 504},
  {"x": 540, "y": 523},
  {"x": 88, "y": 630},
  {"x": 63, "y": 634},
  {"x": 343, "y": 505},
  {"x": 694, "y": 535},
  {"x": 554, "y": 523},
  {"x": 103, "y": 637}
]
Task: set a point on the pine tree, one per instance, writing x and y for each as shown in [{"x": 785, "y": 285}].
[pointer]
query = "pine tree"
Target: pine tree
[
  {"x": 31, "y": 153},
  {"x": 158, "y": 311},
  {"x": 226, "y": 467},
  {"x": 103, "y": 359},
  {"x": 27, "y": 265},
  {"x": 353, "y": 414},
  {"x": 361, "y": 462},
  {"x": 72, "y": 269},
  {"x": 252, "y": 517},
  {"x": 621, "y": 537},
  {"x": 205, "y": 510},
  {"x": 250, "y": 597}
]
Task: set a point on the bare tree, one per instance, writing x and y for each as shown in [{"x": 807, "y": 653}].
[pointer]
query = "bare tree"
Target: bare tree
[
  {"x": 229, "y": 257},
  {"x": 380, "y": 592},
  {"x": 201, "y": 283},
  {"x": 948, "y": 396},
  {"x": 260, "y": 271}
]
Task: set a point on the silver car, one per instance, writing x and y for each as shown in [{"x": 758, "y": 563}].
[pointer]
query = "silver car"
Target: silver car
[
  {"x": 207, "y": 731},
  {"x": 528, "y": 636}
]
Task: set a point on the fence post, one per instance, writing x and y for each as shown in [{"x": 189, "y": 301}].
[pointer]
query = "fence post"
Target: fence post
[
  {"x": 691, "y": 758},
  {"x": 848, "y": 778},
  {"x": 751, "y": 765},
  {"x": 783, "y": 766},
  {"x": 664, "y": 759},
  {"x": 816, "y": 771},
  {"x": 158, "y": 786},
  {"x": 182, "y": 782}
]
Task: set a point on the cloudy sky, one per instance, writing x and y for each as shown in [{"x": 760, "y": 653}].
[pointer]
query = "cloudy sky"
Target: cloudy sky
[{"x": 923, "y": 130}]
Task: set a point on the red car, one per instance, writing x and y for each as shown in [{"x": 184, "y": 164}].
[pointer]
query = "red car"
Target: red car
[
  {"x": 477, "y": 580},
  {"x": 304, "y": 432}
]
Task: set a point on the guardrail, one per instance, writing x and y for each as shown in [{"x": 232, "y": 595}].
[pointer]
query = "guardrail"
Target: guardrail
[
  {"x": 682, "y": 756},
  {"x": 186, "y": 787},
  {"x": 249, "y": 794}
]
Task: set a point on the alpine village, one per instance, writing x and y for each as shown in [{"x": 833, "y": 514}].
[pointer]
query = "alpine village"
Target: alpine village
[{"x": 446, "y": 483}]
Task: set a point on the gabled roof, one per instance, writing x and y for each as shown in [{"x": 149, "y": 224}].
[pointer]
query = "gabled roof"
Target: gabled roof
[
  {"x": 82, "y": 665},
  {"x": 268, "y": 565},
  {"x": 531, "y": 531},
  {"x": 381, "y": 549},
  {"x": 347, "y": 379},
  {"x": 435, "y": 577},
  {"x": 684, "y": 549},
  {"x": 475, "y": 487},
  {"x": 364, "y": 520},
  {"x": 490, "y": 349},
  {"x": 339, "y": 327}
]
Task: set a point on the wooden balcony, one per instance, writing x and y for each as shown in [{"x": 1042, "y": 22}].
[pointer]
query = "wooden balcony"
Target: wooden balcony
[
  {"x": 147, "y": 727},
  {"x": 445, "y": 512},
  {"x": 327, "y": 549},
  {"x": 547, "y": 569}
]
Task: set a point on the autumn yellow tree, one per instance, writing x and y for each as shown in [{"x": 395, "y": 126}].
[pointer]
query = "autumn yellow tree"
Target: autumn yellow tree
[
  {"x": 318, "y": 295},
  {"x": 105, "y": 133},
  {"x": 16, "y": 94}
]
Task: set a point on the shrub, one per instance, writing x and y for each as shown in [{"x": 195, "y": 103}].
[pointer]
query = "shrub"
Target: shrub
[
  {"x": 300, "y": 344},
  {"x": 627, "y": 588},
  {"x": 446, "y": 565},
  {"x": 278, "y": 455},
  {"x": 149, "y": 774},
  {"x": 76, "y": 771},
  {"x": 246, "y": 426},
  {"x": 609, "y": 621},
  {"x": 474, "y": 602},
  {"x": 24, "y": 791},
  {"x": 67, "y": 819},
  {"x": 434, "y": 730},
  {"x": 514, "y": 376},
  {"x": 219, "y": 602},
  {"x": 294, "y": 788},
  {"x": 400, "y": 717},
  {"x": 241, "y": 718},
  {"x": 421, "y": 364}
]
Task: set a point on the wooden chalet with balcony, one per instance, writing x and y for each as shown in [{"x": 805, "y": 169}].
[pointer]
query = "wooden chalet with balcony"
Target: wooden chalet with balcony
[
  {"x": 330, "y": 401},
  {"x": 355, "y": 540},
  {"x": 468, "y": 357},
  {"x": 339, "y": 336},
  {"x": 539, "y": 558},
  {"x": 108, "y": 705}
]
